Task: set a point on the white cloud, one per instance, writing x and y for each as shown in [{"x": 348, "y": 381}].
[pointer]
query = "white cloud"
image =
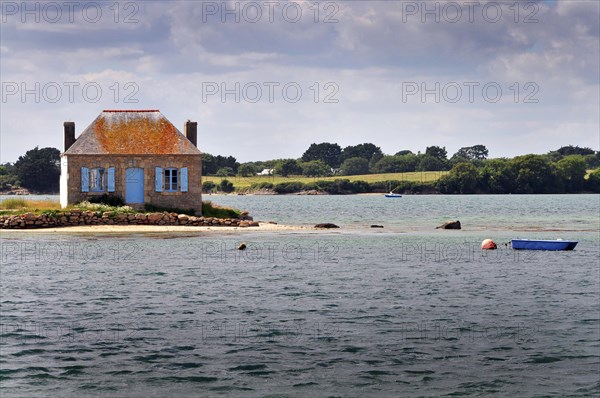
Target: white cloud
[
  {"x": 109, "y": 75},
  {"x": 170, "y": 54}
]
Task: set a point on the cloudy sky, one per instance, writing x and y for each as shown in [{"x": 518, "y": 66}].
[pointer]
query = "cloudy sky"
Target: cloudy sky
[{"x": 266, "y": 79}]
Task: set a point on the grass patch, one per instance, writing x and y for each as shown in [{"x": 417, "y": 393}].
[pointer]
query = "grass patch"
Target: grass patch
[
  {"x": 15, "y": 206},
  {"x": 52, "y": 209},
  {"x": 55, "y": 214},
  {"x": 246, "y": 182},
  {"x": 19, "y": 203},
  {"x": 209, "y": 209},
  {"x": 12, "y": 204}
]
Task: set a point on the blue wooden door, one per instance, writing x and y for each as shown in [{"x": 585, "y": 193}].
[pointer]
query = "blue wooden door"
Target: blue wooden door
[{"x": 134, "y": 185}]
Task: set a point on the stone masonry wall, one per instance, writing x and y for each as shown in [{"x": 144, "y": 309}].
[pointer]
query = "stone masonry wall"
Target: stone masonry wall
[
  {"x": 182, "y": 200},
  {"x": 77, "y": 217}
]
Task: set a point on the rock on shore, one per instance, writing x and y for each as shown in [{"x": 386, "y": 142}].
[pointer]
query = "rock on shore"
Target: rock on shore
[
  {"x": 450, "y": 225},
  {"x": 326, "y": 226}
]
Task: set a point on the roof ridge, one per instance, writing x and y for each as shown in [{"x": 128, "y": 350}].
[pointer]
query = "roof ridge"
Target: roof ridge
[{"x": 131, "y": 110}]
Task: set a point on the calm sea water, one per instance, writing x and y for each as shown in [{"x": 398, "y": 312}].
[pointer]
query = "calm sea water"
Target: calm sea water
[{"x": 402, "y": 311}]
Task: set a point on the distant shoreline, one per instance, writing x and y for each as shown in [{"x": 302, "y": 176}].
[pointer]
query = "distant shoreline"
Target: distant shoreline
[{"x": 126, "y": 229}]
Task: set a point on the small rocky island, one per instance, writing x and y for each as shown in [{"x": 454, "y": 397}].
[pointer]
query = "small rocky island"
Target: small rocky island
[{"x": 87, "y": 217}]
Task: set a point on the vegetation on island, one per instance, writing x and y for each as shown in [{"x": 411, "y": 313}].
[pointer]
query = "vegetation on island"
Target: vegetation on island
[
  {"x": 38, "y": 170},
  {"x": 363, "y": 168},
  {"x": 106, "y": 203}
]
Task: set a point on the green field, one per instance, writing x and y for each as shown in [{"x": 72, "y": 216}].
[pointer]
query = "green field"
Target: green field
[{"x": 245, "y": 182}]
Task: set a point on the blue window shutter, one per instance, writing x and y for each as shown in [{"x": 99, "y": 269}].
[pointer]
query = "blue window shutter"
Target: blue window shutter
[
  {"x": 158, "y": 179},
  {"x": 111, "y": 179},
  {"x": 184, "y": 179},
  {"x": 85, "y": 179}
]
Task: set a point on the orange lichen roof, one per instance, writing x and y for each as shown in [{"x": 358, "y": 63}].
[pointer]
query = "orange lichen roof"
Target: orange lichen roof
[{"x": 132, "y": 132}]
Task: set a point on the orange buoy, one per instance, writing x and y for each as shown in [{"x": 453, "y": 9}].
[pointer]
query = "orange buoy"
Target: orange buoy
[{"x": 488, "y": 244}]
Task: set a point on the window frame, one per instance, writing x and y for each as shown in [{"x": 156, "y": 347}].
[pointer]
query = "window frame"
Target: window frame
[
  {"x": 99, "y": 182},
  {"x": 171, "y": 183}
]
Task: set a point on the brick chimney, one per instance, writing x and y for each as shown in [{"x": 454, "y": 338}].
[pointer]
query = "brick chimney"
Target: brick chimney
[
  {"x": 69, "y": 134},
  {"x": 191, "y": 132}
]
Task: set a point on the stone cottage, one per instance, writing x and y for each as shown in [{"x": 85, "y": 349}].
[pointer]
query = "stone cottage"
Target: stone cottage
[{"x": 136, "y": 154}]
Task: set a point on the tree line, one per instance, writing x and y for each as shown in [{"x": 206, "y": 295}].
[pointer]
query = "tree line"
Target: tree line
[
  {"x": 327, "y": 159},
  {"x": 525, "y": 174},
  {"x": 38, "y": 170},
  {"x": 470, "y": 171}
]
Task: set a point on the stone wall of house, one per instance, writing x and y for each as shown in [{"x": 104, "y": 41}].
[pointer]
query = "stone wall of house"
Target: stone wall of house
[
  {"x": 78, "y": 217},
  {"x": 182, "y": 200}
]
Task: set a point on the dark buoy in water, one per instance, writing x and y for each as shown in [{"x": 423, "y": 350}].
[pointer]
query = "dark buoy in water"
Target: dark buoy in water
[
  {"x": 242, "y": 246},
  {"x": 488, "y": 244}
]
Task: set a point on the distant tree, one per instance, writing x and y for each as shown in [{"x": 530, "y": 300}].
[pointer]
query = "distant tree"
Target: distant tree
[
  {"x": 208, "y": 186},
  {"x": 572, "y": 169},
  {"x": 408, "y": 162},
  {"x": 387, "y": 164},
  {"x": 454, "y": 160},
  {"x": 475, "y": 152},
  {"x": 404, "y": 152},
  {"x": 497, "y": 177},
  {"x": 266, "y": 164},
  {"x": 555, "y": 156},
  {"x": 226, "y": 186},
  {"x": 592, "y": 184},
  {"x": 329, "y": 153},
  {"x": 225, "y": 172},
  {"x": 355, "y": 166},
  {"x": 39, "y": 169},
  {"x": 209, "y": 166},
  {"x": 7, "y": 169},
  {"x": 535, "y": 174},
  {"x": 574, "y": 150},
  {"x": 396, "y": 164},
  {"x": 227, "y": 161},
  {"x": 287, "y": 167},
  {"x": 373, "y": 161},
  {"x": 429, "y": 162},
  {"x": 246, "y": 169},
  {"x": 592, "y": 161},
  {"x": 365, "y": 151},
  {"x": 8, "y": 176},
  {"x": 437, "y": 152},
  {"x": 463, "y": 178},
  {"x": 315, "y": 168}
]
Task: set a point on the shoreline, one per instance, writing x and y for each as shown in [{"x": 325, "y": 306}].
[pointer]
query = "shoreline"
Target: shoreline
[
  {"x": 265, "y": 227},
  {"x": 126, "y": 229}
]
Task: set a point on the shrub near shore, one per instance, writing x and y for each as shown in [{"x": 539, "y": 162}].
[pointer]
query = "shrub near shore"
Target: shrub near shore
[
  {"x": 347, "y": 187},
  {"x": 18, "y": 206},
  {"x": 212, "y": 183},
  {"x": 341, "y": 187}
]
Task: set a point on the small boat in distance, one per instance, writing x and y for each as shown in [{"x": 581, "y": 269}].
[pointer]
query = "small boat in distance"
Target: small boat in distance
[
  {"x": 393, "y": 195},
  {"x": 538, "y": 244}
]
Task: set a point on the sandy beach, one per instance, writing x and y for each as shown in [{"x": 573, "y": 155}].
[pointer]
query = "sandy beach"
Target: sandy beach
[{"x": 123, "y": 229}]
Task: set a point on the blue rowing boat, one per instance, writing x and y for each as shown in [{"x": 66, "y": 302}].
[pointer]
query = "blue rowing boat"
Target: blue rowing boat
[{"x": 537, "y": 244}]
